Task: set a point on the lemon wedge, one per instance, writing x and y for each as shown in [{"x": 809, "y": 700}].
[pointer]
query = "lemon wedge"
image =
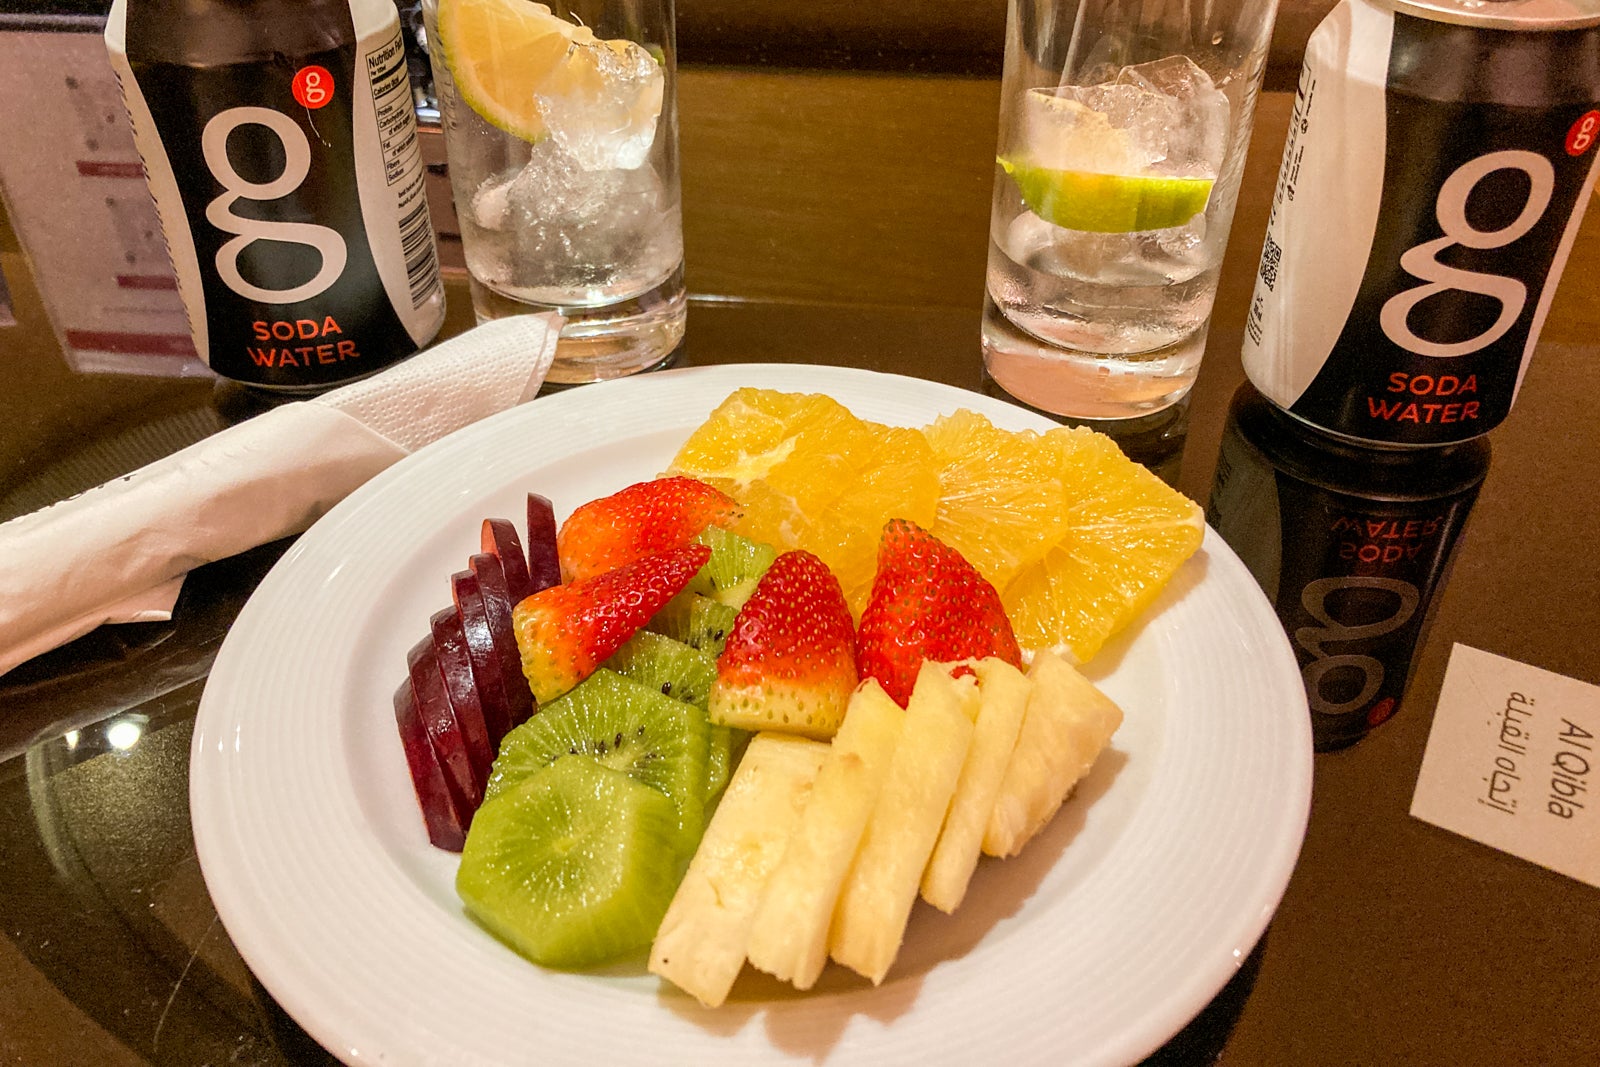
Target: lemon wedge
[
  {"x": 1107, "y": 203},
  {"x": 503, "y": 54}
]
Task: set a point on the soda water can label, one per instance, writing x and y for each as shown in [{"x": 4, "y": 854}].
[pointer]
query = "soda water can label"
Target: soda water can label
[
  {"x": 1431, "y": 187},
  {"x": 1349, "y": 548},
  {"x": 290, "y": 191}
]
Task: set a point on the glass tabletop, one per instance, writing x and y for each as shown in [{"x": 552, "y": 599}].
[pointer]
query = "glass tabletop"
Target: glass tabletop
[{"x": 1396, "y": 941}]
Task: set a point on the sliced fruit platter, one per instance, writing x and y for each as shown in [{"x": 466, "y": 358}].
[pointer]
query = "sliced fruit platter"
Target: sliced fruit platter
[
  {"x": 1125, "y": 898},
  {"x": 615, "y": 670}
]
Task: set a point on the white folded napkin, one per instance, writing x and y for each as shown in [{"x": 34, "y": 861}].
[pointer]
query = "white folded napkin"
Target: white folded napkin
[{"x": 119, "y": 552}]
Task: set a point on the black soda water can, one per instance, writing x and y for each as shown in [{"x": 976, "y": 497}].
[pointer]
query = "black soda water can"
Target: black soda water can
[
  {"x": 1349, "y": 543},
  {"x": 279, "y": 138},
  {"x": 1439, "y": 159}
]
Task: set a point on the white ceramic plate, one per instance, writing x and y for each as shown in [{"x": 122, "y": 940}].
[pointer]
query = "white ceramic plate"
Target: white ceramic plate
[{"x": 1098, "y": 943}]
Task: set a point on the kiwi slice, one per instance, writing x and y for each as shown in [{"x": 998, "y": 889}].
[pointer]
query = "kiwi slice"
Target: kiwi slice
[
  {"x": 736, "y": 565},
  {"x": 625, "y": 726},
  {"x": 697, "y": 620},
  {"x": 573, "y": 865},
  {"x": 724, "y": 745},
  {"x": 684, "y": 673},
  {"x": 673, "y": 668}
]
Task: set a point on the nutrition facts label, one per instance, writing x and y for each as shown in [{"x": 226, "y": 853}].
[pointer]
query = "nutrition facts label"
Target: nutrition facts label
[
  {"x": 402, "y": 165},
  {"x": 397, "y": 120}
]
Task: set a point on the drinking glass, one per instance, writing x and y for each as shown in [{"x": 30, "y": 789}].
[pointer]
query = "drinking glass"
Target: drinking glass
[
  {"x": 561, "y": 136},
  {"x": 1123, "y": 131}
]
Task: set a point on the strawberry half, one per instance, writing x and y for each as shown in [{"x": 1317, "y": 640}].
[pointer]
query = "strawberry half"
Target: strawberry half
[
  {"x": 639, "y": 521},
  {"x": 789, "y": 663},
  {"x": 927, "y": 603},
  {"x": 566, "y": 631}
]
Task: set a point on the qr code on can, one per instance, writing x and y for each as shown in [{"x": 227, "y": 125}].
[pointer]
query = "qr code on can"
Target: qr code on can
[{"x": 1271, "y": 256}]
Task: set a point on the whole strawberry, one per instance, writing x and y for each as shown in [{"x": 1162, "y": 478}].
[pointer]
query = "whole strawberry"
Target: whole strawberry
[
  {"x": 639, "y": 521},
  {"x": 927, "y": 603},
  {"x": 789, "y": 663},
  {"x": 566, "y": 631}
]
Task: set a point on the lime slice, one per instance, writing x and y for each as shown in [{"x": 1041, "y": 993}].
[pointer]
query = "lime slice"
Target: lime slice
[
  {"x": 1108, "y": 203},
  {"x": 502, "y": 53}
]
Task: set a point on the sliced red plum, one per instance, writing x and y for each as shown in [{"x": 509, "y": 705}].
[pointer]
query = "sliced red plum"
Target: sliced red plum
[
  {"x": 449, "y": 747},
  {"x": 455, "y": 666},
  {"x": 447, "y": 826},
  {"x": 544, "y": 565},
  {"x": 497, "y": 605},
  {"x": 500, "y": 538},
  {"x": 483, "y": 652}
]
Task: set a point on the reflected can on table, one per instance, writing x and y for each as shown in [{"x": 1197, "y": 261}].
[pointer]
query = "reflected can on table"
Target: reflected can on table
[
  {"x": 561, "y": 136},
  {"x": 1122, "y": 142},
  {"x": 1351, "y": 544},
  {"x": 1439, "y": 159}
]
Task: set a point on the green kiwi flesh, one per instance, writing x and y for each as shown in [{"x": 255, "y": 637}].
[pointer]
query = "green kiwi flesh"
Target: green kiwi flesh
[
  {"x": 572, "y": 865},
  {"x": 736, "y": 565},
  {"x": 685, "y": 673},
  {"x": 726, "y": 744},
  {"x": 623, "y": 725},
  {"x": 697, "y": 620},
  {"x": 670, "y": 667}
]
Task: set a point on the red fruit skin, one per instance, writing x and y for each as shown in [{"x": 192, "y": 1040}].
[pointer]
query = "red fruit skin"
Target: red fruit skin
[
  {"x": 499, "y": 537},
  {"x": 565, "y": 632},
  {"x": 927, "y": 603},
  {"x": 455, "y": 667},
  {"x": 449, "y": 747},
  {"x": 544, "y": 561},
  {"x": 641, "y": 520},
  {"x": 483, "y": 655},
  {"x": 447, "y": 826},
  {"x": 497, "y": 605},
  {"x": 794, "y": 631}
]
